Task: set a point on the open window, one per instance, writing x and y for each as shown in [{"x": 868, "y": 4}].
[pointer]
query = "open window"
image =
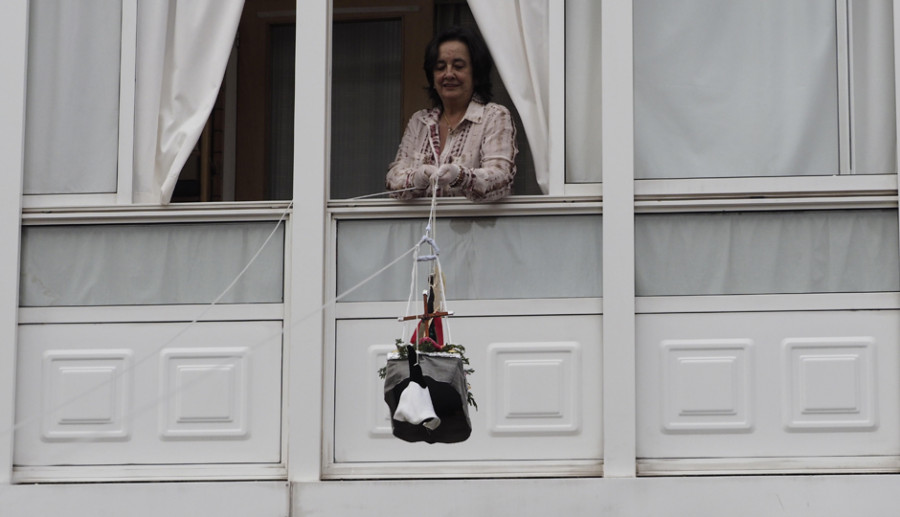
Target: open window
[{"x": 377, "y": 83}]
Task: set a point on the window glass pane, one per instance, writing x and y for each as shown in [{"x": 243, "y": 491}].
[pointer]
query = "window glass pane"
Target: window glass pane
[
  {"x": 149, "y": 264},
  {"x": 72, "y": 109},
  {"x": 583, "y": 91},
  {"x": 872, "y": 67},
  {"x": 482, "y": 257},
  {"x": 366, "y": 105},
  {"x": 281, "y": 112},
  {"x": 767, "y": 252},
  {"x": 738, "y": 88}
]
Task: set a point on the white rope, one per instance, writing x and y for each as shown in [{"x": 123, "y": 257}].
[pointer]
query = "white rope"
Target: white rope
[
  {"x": 385, "y": 193},
  {"x": 429, "y": 237}
]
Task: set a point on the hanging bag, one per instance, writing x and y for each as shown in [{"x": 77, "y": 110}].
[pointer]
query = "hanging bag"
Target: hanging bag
[{"x": 441, "y": 378}]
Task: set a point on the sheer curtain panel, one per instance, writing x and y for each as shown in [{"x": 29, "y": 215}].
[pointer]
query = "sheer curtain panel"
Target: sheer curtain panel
[
  {"x": 790, "y": 252},
  {"x": 182, "y": 51},
  {"x": 72, "y": 107},
  {"x": 516, "y": 32},
  {"x": 740, "y": 88},
  {"x": 583, "y": 91},
  {"x": 872, "y": 75}
]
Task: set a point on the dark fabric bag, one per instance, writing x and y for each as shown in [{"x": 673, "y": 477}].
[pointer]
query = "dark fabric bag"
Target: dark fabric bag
[{"x": 445, "y": 378}]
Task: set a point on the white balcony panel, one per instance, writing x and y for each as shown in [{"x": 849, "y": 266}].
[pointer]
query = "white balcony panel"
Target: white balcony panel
[
  {"x": 149, "y": 394},
  {"x": 530, "y": 374},
  {"x": 770, "y": 385}
]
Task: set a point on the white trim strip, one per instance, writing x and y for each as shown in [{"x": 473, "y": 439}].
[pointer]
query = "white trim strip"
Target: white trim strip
[
  {"x": 151, "y": 314},
  {"x": 768, "y": 303},
  {"x": 740, "y": 466},
  {"x": 130, "y": 473},
  {"x": 464, "y": 469},
  {"x": 477, "y": 308}
]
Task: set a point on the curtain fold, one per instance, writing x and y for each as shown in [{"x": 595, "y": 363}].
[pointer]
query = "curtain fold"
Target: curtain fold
[
  {"x": 182, "y": 51},
  {"x": 516, "y": 32}
]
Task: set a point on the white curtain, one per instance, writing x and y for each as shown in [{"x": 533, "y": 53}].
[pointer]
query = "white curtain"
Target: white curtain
[
  {"x": 483, "y": 258},
  {"x": 583, "y": 126},
  {"x": 516, "y": 32},
  {"x": 182, "y": 50},
  {"x": 72, "y": 110},
  {"x": 150, "y": 264},
  {"x": 828, "y": 251},
  {"x": 872, "y": 52},
  {"x": 749, "y": 88}
]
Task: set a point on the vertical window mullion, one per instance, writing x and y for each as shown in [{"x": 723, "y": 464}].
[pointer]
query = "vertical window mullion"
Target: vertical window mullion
[
  {"x": 845, "y": 88},
  {"x": 617, "y": 129},
  {"x": 13, "y": 62},
  {"x": 125, "y": 172},
  {"x": 557, "y": 83}
]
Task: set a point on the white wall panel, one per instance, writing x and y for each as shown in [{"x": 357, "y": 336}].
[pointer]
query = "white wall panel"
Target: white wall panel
[
  {"x": 103, "y": 377},
  {"x": 534, "y": 388},
  {"x": 768, "y": 385},
  {"x": 149, "y": 393},
  {"x": 530, "y": 377},
  {"x": 210, "y": 393},
  {"x": 830, "y": 383},
  {"x": 706, "y": 385}
]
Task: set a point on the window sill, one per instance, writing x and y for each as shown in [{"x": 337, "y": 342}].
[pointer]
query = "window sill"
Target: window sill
[{"x": 177, "y": 212}]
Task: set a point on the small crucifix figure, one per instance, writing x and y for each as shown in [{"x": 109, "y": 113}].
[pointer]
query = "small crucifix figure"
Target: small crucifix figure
[{"x": 425, "y": 322}]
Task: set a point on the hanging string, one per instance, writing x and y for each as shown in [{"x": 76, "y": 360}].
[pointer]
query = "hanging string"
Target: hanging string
[
  {"x": 429, "y": 238},
  {"x": 385, "y": 193}
]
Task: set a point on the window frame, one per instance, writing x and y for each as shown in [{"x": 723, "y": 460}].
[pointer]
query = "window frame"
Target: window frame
[{"x": 125, "y": 170}]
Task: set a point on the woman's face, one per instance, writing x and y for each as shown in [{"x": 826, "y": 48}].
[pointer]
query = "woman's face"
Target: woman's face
[{"x": 453, "y": 73}]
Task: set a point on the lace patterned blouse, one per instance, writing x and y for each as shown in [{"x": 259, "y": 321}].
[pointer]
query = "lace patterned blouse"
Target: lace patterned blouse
[{"x": 483, "y": 144}]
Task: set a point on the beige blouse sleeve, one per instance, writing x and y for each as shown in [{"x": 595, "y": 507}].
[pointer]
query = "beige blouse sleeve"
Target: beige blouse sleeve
[
  {"x": 409, "y": 156},
  {"x": 493, "y": 179}
]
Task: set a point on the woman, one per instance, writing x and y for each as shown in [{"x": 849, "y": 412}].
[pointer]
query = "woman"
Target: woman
[{"x": 465, "y": 144}]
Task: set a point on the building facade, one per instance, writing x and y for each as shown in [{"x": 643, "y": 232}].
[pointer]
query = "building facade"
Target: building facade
[{"x": 689, "y": 306}]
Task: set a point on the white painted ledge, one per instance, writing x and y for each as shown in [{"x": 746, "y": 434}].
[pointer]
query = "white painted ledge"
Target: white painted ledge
[
  {"x": 796, "y": 496},
  {"x": 257, "y": 499}
]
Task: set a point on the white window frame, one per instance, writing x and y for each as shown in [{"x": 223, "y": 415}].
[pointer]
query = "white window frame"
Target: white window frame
[
  {"x": 13, "y": 62},
  {"x": 125, "y": 161},
  {"x": 845, "y": 183},
  {"x": 563, "y": 198},
  {"x": 111, "y": 208}
]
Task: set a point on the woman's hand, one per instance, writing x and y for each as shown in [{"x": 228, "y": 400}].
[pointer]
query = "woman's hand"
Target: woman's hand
[
  {"x": 447, "y": 174},
  {"x": 421, "y": 177}
]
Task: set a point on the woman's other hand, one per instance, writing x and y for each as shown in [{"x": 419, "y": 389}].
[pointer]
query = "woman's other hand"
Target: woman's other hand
[
  {"x": 421, "y": 177},
  {"x": 447, "y": 174}
]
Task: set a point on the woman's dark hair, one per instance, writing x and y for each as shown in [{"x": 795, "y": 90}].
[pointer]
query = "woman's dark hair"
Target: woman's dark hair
[{"x": 482, "y": 64}]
